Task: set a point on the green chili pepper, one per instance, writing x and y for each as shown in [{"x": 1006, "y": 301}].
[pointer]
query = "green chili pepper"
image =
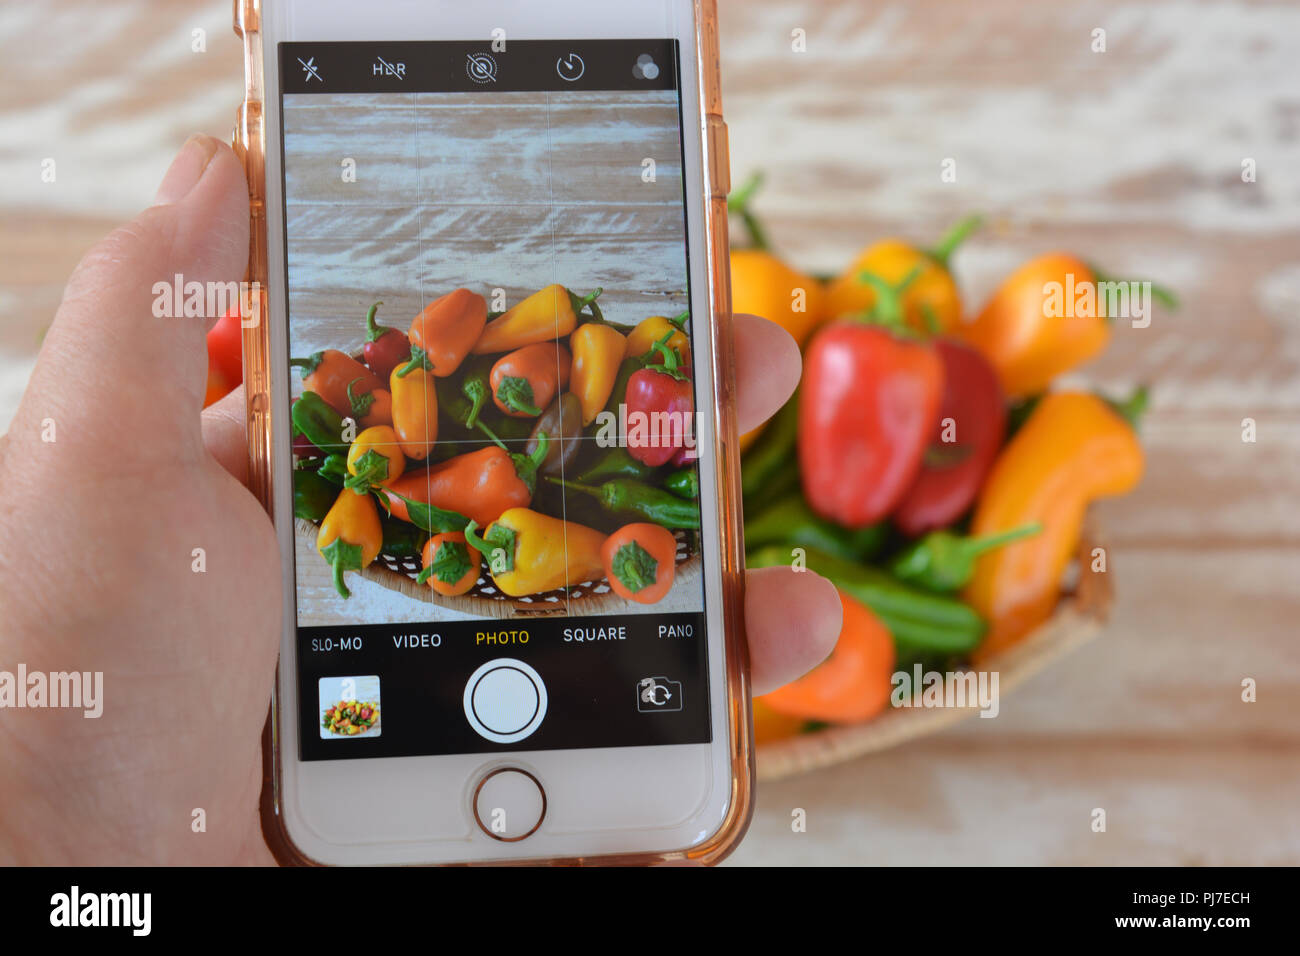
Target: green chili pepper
[
  {"x": 943, "y": 561},
  {"x": 919, "y": 621},
  {"x": 791, "y": 521},
  {"x": 621, "y": 495},
  {"x": 318, "y": 423},
  {"x": 313, "y": 496},
  {"x": 466, "y": 402},
  {"x": 684, "y": 483},
  {"x": 784, "y": 481},
  {"x": 335, "y": 469},
  {"x": 774, "y": 449},
  {"x": 431, "y": 518},
  {"x": 616, "y": 463},
  {"x": 626, "y": 369},
  {"x": 402, "y": 539}
]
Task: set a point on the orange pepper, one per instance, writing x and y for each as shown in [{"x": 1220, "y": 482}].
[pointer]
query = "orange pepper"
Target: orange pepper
[
  {"x": 851, "y": 685},
  {"x": 415, "y": 409},
  {"x": 331, "y": 374},
  {"x": 597, "y": 354},
  {"x": 640, "y": 561},
  {"x": 479, "y": 485},
  {"x": 931, "y": 302},
  {"x": 1046, "y": 318},
  {"x": 550, "y": 313},
  {"x": 771, "y": 726},
  {"x": 1072, "y": 450},
  {"x": 524, "y": 382},
  {"x": 447, "y": 329},
  {"x": 1028, "y": 347},
  {"x": 371, "y": 409},
  {"x": 450, "y": 565}
]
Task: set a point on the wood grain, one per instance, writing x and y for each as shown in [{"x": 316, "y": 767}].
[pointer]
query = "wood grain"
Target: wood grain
[{"x": 1131, "y": 157}]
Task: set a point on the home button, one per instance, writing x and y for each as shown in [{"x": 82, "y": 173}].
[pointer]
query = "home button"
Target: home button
[{"x": 509, "y": 804}]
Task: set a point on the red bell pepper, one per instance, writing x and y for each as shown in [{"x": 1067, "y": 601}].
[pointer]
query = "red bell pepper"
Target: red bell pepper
[
  {"x": 972, "y": 424},
  {"x": 869, "y": 400},
  {"x": 659, "y": 408},
  {"x": 385, "y": 348}
]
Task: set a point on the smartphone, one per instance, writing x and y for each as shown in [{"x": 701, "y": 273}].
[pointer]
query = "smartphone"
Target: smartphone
[{"x": 490, "y": 409}]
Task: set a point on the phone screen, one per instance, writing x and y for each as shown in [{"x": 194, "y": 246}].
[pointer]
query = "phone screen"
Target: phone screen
[{"x": 496, "y": 490}]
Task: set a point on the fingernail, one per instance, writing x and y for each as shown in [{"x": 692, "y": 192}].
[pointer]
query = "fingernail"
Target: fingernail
[{"x": 186, "y": 169}]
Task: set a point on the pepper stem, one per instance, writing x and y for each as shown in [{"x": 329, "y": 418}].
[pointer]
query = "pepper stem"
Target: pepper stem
[
  {"x": 954, "y": 237},
  {"x": 1132, "y": 409},
  {"x": 539, "y": 454},
  {"x": 476, "y": 392},
  {"x": 475, "y": 540},
  {"x": 974, "y": 547},
  {"x": 738, "y": 203},
  {"x": 888, "y": 308},
  {"x": 1161, "y": 294},
  {"x": 308, "y": 365},
  {"x": 680, "y": 319},
  {"x": 419, "y": 359},
  {"x": 526, "y": 465},
  {"x": 580, "y": 303},
  {"x": 373, "y": 331}
]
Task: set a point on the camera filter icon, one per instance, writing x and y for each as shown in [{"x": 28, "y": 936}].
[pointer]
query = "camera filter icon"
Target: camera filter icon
[
  {"x": 645, "y": 67},
  {"x": 481, "y": 68}
]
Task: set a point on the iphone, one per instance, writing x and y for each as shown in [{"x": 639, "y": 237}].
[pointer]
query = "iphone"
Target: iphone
[{"x": 490, "y": 399}]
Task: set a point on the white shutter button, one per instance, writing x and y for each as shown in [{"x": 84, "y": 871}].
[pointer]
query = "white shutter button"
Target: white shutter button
[
  {"x": 505, "y": 700},
  {"x": 509, "y": 804}
]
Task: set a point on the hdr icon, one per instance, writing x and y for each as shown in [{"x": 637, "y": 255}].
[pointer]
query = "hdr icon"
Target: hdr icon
[{"x": 382, "y": 67}]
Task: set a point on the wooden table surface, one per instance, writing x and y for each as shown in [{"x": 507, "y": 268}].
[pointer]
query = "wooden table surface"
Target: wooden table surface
[{"x": 1132, "y": 158}]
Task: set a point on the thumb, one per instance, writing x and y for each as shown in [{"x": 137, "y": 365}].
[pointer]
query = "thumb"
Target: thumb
[{"x": 119, "y": 355}]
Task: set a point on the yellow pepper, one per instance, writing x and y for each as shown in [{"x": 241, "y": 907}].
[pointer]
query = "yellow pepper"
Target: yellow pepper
[
  {"x": 931, "y": 302},
  {"x": 415, "y": 408},
  {"x": 528, "y": 552},
  {"x": 350, "y": 536},
  {"x": 597, "y": 353},
  {"x": 649, "y": 331},
  {"x": 761, "y": 284},
  {"x": 548, "y": 314},
  {"x": 374, "y": 459},
  {"x": 1072, "y": 450}
]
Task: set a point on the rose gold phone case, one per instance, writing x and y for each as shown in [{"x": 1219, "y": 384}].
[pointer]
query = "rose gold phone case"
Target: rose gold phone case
[{"x": 250, "y": 143}]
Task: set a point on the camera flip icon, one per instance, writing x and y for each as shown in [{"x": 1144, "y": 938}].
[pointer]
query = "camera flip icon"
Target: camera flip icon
[{"x": 658, "y": 694}]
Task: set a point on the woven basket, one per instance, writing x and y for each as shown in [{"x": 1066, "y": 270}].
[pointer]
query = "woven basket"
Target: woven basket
[
  {"x": 1080, "y": 615},
  {"x": 484, "y": 599}
]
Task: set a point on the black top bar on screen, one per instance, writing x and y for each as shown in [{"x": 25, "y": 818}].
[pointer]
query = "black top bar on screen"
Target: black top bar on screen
[{"x": 454, "y": 66}]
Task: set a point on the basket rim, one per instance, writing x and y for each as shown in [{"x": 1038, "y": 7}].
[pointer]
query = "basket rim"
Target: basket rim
[{"x": 1080, "y": 616}]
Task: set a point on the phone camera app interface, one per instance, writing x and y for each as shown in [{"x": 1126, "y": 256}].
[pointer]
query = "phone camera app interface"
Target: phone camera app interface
[{"x": 493, "y": 401}]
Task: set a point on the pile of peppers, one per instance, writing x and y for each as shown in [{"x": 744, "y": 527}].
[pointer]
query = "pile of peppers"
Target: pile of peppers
[
  {"x": 926, "y": 466},
  {"x": 539, "y": 448}
]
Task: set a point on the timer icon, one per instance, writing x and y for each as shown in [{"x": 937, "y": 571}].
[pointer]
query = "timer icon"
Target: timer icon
[{"x": 570, "y": 68}]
